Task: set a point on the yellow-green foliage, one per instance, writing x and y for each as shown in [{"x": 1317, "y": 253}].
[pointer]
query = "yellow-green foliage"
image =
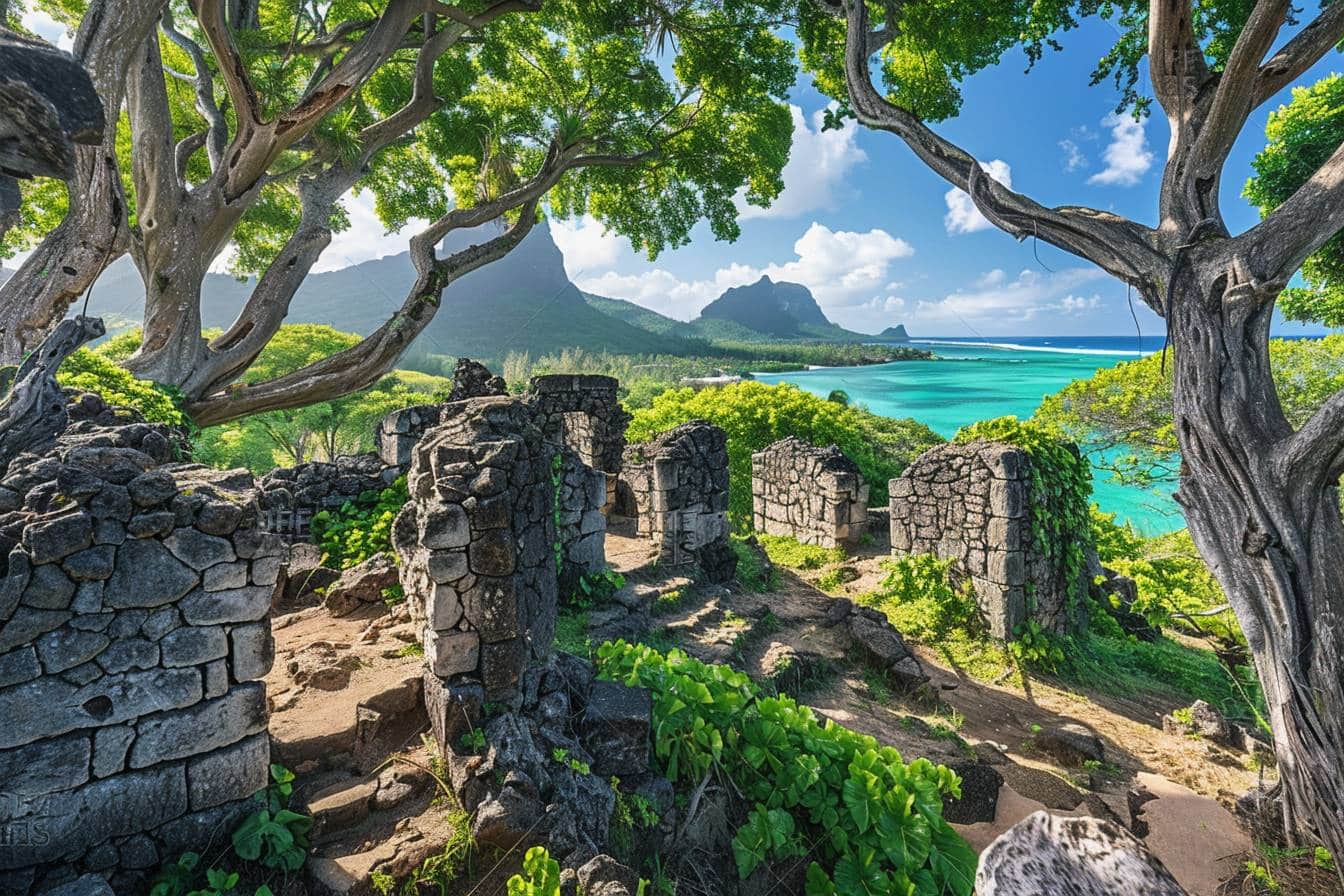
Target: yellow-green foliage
[
  {"x": 754, "y": 415},
  {"x": 90, "y": 371},
  {"x": 1126, "y": 411},
  {"x": 793, "y": 554}
]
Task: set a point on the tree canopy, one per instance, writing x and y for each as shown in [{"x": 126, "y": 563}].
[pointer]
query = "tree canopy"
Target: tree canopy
[{"x": 246, "y": 128}]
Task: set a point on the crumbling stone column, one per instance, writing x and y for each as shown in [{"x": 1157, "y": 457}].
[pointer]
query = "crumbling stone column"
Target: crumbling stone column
[
  {"x": 680, "y": 486},
  {"x": 134, "y": 636},
  {"x": 581, "y": 493},
  {"x": 816, "y": 495},
  {"x": 477, "y": 551},
  {"x": 583, "y": 413},
  {"x": 971, "y": 503},
  {"x": 400, "y": 431}
]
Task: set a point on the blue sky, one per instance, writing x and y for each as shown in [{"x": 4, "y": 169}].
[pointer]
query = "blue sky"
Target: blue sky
[{"x": 881, "y": 240}]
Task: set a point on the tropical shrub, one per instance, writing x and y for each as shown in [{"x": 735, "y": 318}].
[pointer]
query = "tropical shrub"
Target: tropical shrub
[
  {"x": 919, "y": 597},
  {"x": 360, "y": 528},
  {"x": 755, "y": 414},
  {"x": 90, "y": 371},
  {"x": 874, "y": 820},
  {"x": 540, "y": 875}
]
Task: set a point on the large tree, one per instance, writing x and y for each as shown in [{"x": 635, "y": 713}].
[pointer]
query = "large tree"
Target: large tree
[
  {"x": 246, "y": 125},
  {"x": 1259, "y": 495}
]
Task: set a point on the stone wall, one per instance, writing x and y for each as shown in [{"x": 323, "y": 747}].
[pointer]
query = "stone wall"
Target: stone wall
[
  {"x": 816, "y": 495},
  {"x": 133, "y": 640},
  {"x": 291, "y": 496},
  {"x": 970, "y": 503},
  {"x": 679, "y": 482},
  {"x": 477, "y": 548}
]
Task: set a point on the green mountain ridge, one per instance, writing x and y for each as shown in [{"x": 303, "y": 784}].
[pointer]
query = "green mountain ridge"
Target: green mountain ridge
[{"x": 524, "y": 303}]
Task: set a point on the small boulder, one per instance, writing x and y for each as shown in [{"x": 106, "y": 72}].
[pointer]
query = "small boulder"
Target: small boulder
[
  {"x": 505, "y": 820},
  {"x": 616, "y": 728},
  {"x": 361, "y": 585},
  {"x": 604, "y": 876},
  {"x": 1070, "y": 745},
  {"x": 1045, "y": 853},
  {"x": 979, "y": 801}
]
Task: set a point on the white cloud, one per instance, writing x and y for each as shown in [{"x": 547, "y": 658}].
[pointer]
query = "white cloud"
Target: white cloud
[
  {"x": 962, "y": 215},
  {"x": 1074, "y": 157},
  {"x": 844, "y": 269},
  {"x": 815, "y": 173},
  {"x": 367, "y": 238},
  {"x": 1127, "y": 156},
  {"x": 587, "y": 244},
  {"x": 995, "y": 301}
]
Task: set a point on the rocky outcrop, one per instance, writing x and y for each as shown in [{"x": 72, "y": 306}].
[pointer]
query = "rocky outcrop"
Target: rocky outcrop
[
  {"x": 47, "y": 105},
  {"x": 134, "y": 635},
  {"x": 543, "y": 773},
  {"x": 1044, "y": 853},
  {"x": 816, "y": 495},
  {"x": 679, "y": 481}
]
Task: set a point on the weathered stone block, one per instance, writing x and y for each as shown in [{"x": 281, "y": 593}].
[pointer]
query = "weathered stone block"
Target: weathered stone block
[
  {"x": 110, "y": 746},
  {"x": 452, "y": 652},
  {"x": 45, "y": 767},
  {"x": 230, "y": 773},
  {"x": 147, "y": 575},
  {"x": 187, "y": 732},
  {"x": 193, "y": 645},
  {"x": 252, "y": 650},
  {"x": 199, "y": 550},
  {"x": 233, "y": 605},
  {"x": 55, "y": 539},
  {"x": 617, "y": 729}
]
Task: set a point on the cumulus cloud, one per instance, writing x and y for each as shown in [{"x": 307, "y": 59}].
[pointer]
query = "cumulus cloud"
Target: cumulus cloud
[
  {"x": 47, "y": 28},
  {"x": 1127, "y": 156},
  {"x": 844, "y": 269},
  {"x": 962, "y": 215},
  {"x": 587, "y": 244},
  {"x": 995, "y": 300},
  {"x": 814, "y": 176}
]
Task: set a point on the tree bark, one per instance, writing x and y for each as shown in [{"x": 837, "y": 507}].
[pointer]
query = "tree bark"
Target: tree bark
[
  {"x": 94, "y": 230},
  {"x": 1271, "y": 535}
]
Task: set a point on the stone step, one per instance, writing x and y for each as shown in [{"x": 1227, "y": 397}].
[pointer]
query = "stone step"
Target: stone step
[
  {"x": 342, "y": 805},
  {"x": 378, "y": 712}
]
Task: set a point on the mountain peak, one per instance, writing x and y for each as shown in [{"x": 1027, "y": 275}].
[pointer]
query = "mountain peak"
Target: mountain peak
[{"x": 786, "y": 310}]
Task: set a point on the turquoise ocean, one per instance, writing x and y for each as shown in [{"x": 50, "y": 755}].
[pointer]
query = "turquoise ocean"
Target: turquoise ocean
[{"x": 974, "y": 380}]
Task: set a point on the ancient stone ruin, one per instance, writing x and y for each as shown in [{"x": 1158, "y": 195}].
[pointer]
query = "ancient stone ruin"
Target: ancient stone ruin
[
  {"x": 292, "y": 496},
  {"x": 816, "y": 495},
  {"x": 477, "y": 544},
  {"x": 133, "y": 639},
  {"x": 584, "y": 413},
  {"x": 680, "y": 485},
  {"x": 971, "y": 503}
]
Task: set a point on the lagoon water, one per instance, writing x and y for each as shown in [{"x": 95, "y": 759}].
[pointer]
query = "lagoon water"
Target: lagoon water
[{"x": 974, "y": 380}]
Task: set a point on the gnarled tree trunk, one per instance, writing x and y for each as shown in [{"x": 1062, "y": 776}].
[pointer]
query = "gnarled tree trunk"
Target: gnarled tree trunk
[{"x": 1273, "y": 537}]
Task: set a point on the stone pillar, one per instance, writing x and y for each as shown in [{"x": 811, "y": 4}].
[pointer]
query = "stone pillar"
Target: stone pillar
[
  {"x": 581, "y": 494},
  {"x": 680, "y": 486},
  {"x": 477, "y": 545},
  {"x": 134, "y": 636},
  {"x": 816, "y": 495}
]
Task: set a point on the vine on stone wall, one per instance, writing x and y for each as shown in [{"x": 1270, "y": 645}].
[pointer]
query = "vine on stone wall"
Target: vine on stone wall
[{"x": 1061, "y": 483}]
